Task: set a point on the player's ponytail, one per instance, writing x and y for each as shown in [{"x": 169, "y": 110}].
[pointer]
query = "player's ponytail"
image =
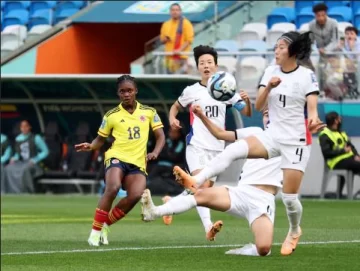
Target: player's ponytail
[{"x": 299, "y": 44}]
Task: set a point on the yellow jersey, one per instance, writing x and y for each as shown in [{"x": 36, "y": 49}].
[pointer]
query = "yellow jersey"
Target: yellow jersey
[{"x": 131, "y": 133}]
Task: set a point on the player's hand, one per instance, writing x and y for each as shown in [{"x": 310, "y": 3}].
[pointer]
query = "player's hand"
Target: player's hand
[
  {"x": 244, "y": 96},
  {"x": 274, "y": 82},
  {"x": 315, "y": 125},
  {"x": 197, "y": 110},
  {"x": 151, "y": 156},
  {"x": 83, "y": 147},
  {"x": 348, "y": 149},
  {"x": 175, "y": 124},
  {"x": 357, "y": 158}
]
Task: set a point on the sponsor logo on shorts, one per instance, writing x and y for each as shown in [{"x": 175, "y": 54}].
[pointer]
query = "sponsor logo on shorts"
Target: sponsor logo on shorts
[{"x": 115, "y": 161}]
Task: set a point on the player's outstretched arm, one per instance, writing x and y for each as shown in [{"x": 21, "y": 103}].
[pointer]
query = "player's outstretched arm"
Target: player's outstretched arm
[
  {"x": 94, "y": 145},
  {"x": 214, "y": 129},
  {"x": 314, "y": 124},
  {"x": 174, "y": 110}
]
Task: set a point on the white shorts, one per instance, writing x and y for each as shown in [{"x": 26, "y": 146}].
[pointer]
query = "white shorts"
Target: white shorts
[
  {"x": 198, "y": 158},
  {"x": 250, "y": 202},
  {"x": 292, "y": 156}
]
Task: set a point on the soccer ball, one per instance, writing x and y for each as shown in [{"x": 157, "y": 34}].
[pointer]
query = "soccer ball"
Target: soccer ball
[{"x": 222, "y": 86}]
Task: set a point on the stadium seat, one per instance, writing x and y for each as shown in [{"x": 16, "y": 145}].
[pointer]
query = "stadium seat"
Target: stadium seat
[
  {"x": 332, "y": 4},
  {"x": 9, "y": 46},
  {"x": 15, "y": 5},
  {"x": 305, "y": 16},
  {"x": 284, "y": 26},
  {"x": 281, "y": 15},
  {"x": 342, "y": 26},
  {"x": 36, "y": 31},
  {"x": 2, "y": 19},
  {"x": 72, "y": 4},
  {"x": 40, "y": 5},
  {"x": 252, "y": 31},
  {"x": 41, "y": 17},
  {"x": 356, "y": 19},
  {"x": 61, "y": 13},
  {"x": 355, "y": 5},
  {"x": 226, "y": 45},
  {"x": 341, "y": 14},
  {"x": 228, "y": 64},
  {"x": 2, "y": 4},
  {"x": 299, "y": 5},
  {"x": 254, "y": 45},
  {"x": 19, "y": 17},
  {"x": 304, "y": 28},
  {"x": 13, "y": 33}
]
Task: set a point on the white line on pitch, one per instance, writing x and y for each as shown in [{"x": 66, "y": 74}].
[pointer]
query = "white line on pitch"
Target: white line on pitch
[{"x": 160, "y": 248}]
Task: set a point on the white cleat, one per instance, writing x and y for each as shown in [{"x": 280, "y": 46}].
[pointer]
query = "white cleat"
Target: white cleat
[
  {"x": 94, "y": 238},
  {"x": 104, "y": 235},
  {"x": 247, "y": 250},
  {"x": 147, "y": 206}
]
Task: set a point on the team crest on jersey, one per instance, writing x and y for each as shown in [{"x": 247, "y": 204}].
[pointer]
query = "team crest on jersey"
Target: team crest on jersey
[
  {"x": 115, "y": 161},
  {"x": 156, "y": 118},
  {"x": 142, "y": 118},
  {"x": 313, "y": 78}
]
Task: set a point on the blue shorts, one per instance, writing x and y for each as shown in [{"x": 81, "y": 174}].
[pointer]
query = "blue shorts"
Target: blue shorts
[{"x": 126, "y": 168}]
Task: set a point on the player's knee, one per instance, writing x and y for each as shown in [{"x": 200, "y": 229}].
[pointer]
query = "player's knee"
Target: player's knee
[
  {"x": 134, "y": 196},
  {"x": 112, "y": 190},
  {"x": 289, "y": 200},
  {"x": 263, "y": 249}
]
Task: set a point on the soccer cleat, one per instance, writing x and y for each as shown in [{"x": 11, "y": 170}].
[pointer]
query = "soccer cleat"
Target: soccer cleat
[
  {"x": 290, "y": 243},
  {"x": 216, "y": 227},
  {"x": 104, "y": 235},
  {"x": 185, "y": 179},
  {"x": 147, "y": 206},
  {"x": 94, "y": 238},
  {"x": 167, "y": 218}
]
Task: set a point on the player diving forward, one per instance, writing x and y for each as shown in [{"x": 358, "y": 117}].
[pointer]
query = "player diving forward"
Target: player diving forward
[
  {"x": 201, "y": 145},
  {"x": 125, "y": 161},
  {"x": 253, "y": 198}
]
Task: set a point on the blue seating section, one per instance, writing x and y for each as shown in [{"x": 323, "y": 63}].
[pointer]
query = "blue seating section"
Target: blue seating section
[
  {"x": 31, "y": 13},
  {"x": 342, "y": 11}
]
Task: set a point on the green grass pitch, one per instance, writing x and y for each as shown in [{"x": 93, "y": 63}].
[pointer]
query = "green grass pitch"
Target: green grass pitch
[{"x": 50, "y": 233}]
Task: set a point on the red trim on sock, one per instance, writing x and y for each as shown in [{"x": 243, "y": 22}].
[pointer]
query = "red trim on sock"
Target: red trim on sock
[
  {"x": 115, "y": 215},
  {"x": 100, "y": 218}
]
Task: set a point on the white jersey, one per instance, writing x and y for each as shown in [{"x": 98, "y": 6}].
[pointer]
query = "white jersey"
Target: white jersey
[
  {"x": 199, "y": 135},
  {"x": 287, "y": 104},
  {"x": 259, "y": 171}
]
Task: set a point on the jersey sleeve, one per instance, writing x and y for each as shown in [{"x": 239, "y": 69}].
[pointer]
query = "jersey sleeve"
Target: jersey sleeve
[
  {"x": 155, "y": 121},
  {"x": 266, "y": 77},
  {"x": 186, "y": 97},
  {"x": 105, "y": 127},
  {"x": 245, "y": 132},
  {"x": 311, "y": 86}
]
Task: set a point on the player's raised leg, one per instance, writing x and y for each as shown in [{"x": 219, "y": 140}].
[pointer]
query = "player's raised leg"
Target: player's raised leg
[{"x": 113, "y": 178}]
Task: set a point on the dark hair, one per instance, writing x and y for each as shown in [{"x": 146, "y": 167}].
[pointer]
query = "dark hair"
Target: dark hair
[
  {"x": 331, "y": 117},
  {"x": 299, "y": 44},
  {"x": 351, "y": 28},
  {"x": 320, "y": 7},
  {"x": 123, "y": 78},
  {"x": 204, "y": 50},
  {"x": 175, "y": 5},
  {"x": 26, "y": 120}
]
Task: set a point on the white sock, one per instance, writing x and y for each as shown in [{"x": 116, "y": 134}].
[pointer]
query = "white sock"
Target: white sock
[
  {"x": 236, "y": 150},
  {"x": 94, "y": 232},
  {"x": 205, "y": 217},
  {"x": 176, "y": 205},
  {"x": 252, "y": 251},
  {"x": 294, "y": 211}
]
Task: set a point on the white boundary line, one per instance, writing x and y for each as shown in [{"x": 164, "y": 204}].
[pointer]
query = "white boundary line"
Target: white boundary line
[{"x": 161, "y": 248}]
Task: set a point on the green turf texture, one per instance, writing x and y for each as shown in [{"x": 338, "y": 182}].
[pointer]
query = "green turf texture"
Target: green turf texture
[{"x": 62, "y": 223}]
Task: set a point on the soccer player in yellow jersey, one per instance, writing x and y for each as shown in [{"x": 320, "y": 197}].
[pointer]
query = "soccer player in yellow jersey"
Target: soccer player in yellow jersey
[{"x": 125, "y": 160}]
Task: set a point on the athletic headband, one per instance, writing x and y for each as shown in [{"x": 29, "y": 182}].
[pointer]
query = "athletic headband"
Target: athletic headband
[{"x": 286, "y": 38}]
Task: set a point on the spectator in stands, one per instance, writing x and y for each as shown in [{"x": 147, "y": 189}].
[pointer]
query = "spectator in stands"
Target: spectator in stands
[
  {"x": 350, "y": 43},
  {"x": 5, "y": 157},
  {"x": 177, "y": 34},
  {"x": 324, "y": 29},
  {"x": 336, "y": 147},
  {"x": 171, "y": 155},
  {"x": 30, "y": 150}
]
